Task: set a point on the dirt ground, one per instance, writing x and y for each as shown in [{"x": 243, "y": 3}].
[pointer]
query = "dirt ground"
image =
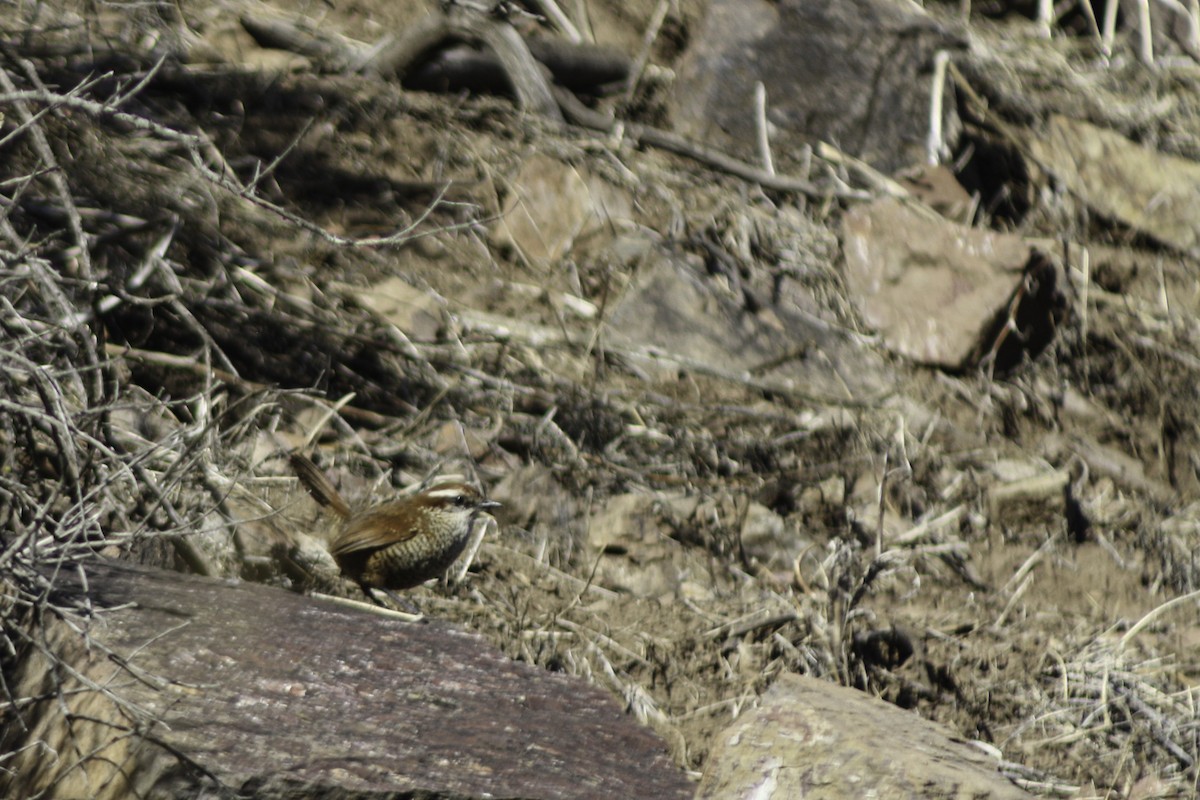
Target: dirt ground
[{"x": 998, "y": 553}]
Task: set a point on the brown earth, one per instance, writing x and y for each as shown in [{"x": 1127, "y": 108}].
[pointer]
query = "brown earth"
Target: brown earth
[{"x": 680, "y": 531}]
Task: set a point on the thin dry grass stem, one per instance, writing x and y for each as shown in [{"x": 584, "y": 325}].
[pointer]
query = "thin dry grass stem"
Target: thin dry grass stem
[
  {"x": 880, "y": 504},
  {"x": 638, "y": 701},
  {"x": 600, "y": 639},
  {"x": 1154, "y": 614},
  {"x": 1032, "y": 561},
  {"x": 1013, "y": 599},
  {"x": 328, "y": 412},
  {"x": 459, "y": 574},
  {"x": 1100, "y": 695},
  {"x": 653, "y": 27},
  {"x": 261, "y": 173},
  {"x": 757, "y": 621},
  {"x": 539, "y": 566},
  {"x": 848, "y": 580}
]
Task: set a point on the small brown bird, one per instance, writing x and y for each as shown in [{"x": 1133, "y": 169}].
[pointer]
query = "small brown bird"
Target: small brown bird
[{"x": 402, "y": 543}]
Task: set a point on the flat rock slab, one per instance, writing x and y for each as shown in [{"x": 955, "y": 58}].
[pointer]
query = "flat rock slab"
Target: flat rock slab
[
  {"x": 550, "y": 205},
  {"x": 930, "y": 286},
  {"x": 241, "y": 689},
  {"x": 813, "y": 739},
  {"x": 672, "y": 309},
  {"x": 1151, "y": 192},
  {"x": 855, "y": 73}
]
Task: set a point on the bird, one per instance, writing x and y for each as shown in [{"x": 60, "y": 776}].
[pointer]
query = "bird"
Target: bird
[{"x": 401, "y": 543}]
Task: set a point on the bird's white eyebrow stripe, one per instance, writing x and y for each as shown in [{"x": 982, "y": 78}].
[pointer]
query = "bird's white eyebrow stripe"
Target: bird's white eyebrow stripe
[{"x": 450, "y": 491}]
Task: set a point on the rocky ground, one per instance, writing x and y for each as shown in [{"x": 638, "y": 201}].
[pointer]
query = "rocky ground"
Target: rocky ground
[{"x": 927, "y": 432}]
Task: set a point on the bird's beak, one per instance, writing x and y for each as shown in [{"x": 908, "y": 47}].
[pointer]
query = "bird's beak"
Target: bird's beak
[{"x": 490, "y": 504}]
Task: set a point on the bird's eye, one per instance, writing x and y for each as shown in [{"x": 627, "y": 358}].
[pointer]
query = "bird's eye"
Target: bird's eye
[{"x": 460, "y": 500}]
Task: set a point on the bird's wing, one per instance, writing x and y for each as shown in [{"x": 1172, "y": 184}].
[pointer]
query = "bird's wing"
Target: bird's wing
[{"x": 370, "y": 530}]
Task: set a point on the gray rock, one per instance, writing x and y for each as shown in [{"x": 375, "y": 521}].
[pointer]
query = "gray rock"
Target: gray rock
[
  {"x": 821, "y": 741},
  {"x": 237, "y": 689},
  {"x": 672, "y": 309},
  {"x": 854, "y": 73},
  {"x": 929, "y": 286}
]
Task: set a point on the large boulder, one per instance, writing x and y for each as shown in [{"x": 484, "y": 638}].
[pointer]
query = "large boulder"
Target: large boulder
[{"x": 179, "y": 686}]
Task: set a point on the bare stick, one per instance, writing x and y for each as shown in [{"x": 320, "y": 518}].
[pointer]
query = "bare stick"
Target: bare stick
[
  {"x": 1193, "y": 10},
  {"x": 933, "y": 148},
  {"x": 643, "y": 56},
  {"x": 1045, "y": 17},
  {"x": 1145, "y": 39},
  {"x": 931, "y": 526},
  {"x": 1090, "y": 13},
  {"x": 502, "y": 39},
  {"x": 1109, "y": 30},
  {"x": 760, "y": 117},
  {"x": 560, "y": 20},
  {"x": 877, "y": 179},
  {"x": 369, "y": 608}
]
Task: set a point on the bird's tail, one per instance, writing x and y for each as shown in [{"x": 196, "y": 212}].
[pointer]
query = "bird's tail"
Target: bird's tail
[{"x": 318, "y": 484}]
